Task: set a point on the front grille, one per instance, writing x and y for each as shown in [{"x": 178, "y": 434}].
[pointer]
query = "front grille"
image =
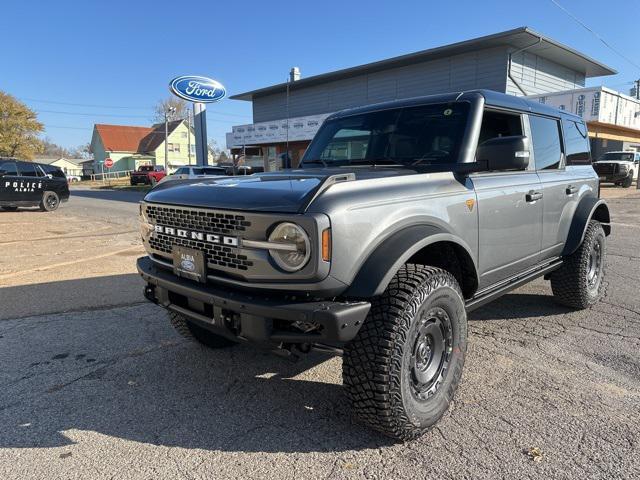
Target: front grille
[
  {"x": 200, "y": 220},
  {"x": 214, "y": 222},
  {"x": 606, "y": 168},
  {"x": 216, "y": 254}
]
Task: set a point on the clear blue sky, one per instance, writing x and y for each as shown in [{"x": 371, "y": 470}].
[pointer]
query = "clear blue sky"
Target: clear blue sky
[{"x": 123, "y": 53}]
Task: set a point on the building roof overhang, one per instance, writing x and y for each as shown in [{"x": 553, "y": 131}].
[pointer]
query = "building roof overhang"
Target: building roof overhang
[{"x": 519, "y": 38}]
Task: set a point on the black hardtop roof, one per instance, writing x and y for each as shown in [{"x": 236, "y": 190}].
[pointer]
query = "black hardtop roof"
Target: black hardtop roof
[
  {"x": 17, "y": 160},
  {"x": 491, "y": 98}
]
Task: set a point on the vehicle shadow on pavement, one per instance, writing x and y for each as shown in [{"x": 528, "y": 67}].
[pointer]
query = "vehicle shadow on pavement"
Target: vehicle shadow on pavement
[
  {"x": 112, "y": 195},
  {"x": 125, "y": 373},
  {"x": 519, "y": 305}
]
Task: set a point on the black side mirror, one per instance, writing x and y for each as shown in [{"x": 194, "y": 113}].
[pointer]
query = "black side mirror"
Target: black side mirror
[
  {"x": 2, "y": 173},
  {"x": 505, "y": 153}
]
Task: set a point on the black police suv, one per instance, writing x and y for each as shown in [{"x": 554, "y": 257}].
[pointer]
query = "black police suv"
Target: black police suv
[{"x": 29, "y": 184}]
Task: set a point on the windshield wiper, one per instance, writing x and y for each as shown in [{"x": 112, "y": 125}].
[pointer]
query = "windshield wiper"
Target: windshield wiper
[
  {"x": 377, "y": 161},
  {"x": 315, "y": 161}
]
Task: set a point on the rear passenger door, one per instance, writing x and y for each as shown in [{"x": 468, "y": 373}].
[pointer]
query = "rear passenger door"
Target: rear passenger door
[
  {"x": 31, "y": 181},
  {"x": 560, "y": 185},
  {"x": 509, "y": 210}
]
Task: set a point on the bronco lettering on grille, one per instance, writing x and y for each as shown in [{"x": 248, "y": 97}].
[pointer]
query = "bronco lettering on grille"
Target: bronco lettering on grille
[{"x": 192, "y": 235}]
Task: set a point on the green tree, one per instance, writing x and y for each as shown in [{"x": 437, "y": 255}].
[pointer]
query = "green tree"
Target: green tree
[{"x": 19, "y": 128}]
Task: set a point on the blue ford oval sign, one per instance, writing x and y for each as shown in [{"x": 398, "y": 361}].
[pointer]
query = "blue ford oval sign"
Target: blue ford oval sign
[{"x": 197, "y": 89}]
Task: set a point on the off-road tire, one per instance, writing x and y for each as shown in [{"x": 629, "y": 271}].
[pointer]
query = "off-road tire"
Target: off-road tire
[
  {"x": 9, "y": 209},
  {"x": 626, "y": 183},
  {"x": 198, "y": 334},
  {"x": 377, "y": 370},
  {"x": 570, "y": 284},
  {"x": 50, "y": 201}
]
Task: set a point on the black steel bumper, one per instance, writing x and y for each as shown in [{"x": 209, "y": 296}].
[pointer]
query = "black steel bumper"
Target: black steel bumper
[
  {"x": 612, "y": 178},
  {"x": 258, "y": 318}
]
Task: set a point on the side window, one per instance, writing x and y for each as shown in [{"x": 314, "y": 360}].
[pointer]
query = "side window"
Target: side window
[
  {"x": 181, "y": 171},
  {"x": 53, "y": 171},
  {"x": 499, "y": 124},
  {"x": 10, "y": 168},
  {"x": 28, "y": 170},
  {"x": 576, "y": 143},
  {"x": 547, "y": 148}
]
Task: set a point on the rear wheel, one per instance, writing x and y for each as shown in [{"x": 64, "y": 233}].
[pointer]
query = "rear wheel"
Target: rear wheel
[
  {"x": 193, "y": 332},
  {"x": 404, "y": 366},
  {"x": 50, "y": 202},
  {"x": 579, "y": 282}
]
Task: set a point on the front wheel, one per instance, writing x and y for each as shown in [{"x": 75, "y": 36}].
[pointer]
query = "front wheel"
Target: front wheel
[
  {"x": 626, "y": 183},
  {"x": 578, "y": 283},
  {"x": 404, "y": 366},
  {"x": 50, "y": 202}
]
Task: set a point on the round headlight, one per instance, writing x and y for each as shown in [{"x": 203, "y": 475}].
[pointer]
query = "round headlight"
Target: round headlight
[{"x": 296, "y": 248}]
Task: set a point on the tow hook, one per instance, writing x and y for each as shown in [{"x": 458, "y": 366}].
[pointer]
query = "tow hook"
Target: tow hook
[{"x": 150, "y": 293}]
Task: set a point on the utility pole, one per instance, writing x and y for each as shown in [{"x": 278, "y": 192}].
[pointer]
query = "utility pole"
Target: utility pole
[
  {"x": 166, "y": 135},
  {"x": 637, "y": 84},
  {"x": 189, "y": 134}
]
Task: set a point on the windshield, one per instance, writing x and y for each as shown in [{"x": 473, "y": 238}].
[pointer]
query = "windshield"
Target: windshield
[
  {"x": 425, "y": 134},
  {"x": 627, "y": 157}
]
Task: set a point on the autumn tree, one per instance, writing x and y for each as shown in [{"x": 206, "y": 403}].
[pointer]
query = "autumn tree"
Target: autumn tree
[
  {"x": 19, "y": 129},
  {"x": 175, "y": 108}
]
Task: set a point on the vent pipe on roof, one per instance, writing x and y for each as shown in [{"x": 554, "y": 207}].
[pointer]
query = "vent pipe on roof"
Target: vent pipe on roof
[{"x": 294, "y": 74}]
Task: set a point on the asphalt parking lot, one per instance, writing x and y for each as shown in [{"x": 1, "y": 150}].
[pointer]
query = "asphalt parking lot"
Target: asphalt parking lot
[{"x": 95, "y": 383}]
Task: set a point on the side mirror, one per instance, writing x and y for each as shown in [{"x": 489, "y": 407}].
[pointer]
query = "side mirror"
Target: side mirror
[
  {"x": 3, "y": 173},
  {"x": 505, "y": 153}
]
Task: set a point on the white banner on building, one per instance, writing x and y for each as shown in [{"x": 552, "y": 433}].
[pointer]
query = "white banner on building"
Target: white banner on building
[
  {"x": 299, "y": 128},
  {"x": 597, "y": 104}
]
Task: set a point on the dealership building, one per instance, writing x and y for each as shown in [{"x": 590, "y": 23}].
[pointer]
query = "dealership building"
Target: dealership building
[{"x": 520, "y": 62}]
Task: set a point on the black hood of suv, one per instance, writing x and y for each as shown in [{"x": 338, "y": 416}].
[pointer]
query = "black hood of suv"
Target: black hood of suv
[{"x": 287, "y": 191}]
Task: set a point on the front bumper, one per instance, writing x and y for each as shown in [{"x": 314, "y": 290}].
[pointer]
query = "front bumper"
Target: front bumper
[
  {"x": 612, "y": 178},
  {"x": 256, "y": 318}
]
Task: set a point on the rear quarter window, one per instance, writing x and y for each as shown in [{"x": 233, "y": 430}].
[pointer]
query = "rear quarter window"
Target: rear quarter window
[{"x": 576, "y": 139}]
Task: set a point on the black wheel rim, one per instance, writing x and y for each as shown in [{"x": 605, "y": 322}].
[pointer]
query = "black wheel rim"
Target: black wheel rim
[
  {"x": 594, "y": 264},
  {"x": 52, "y": 201},
  {"x": 431, "y": 352}
]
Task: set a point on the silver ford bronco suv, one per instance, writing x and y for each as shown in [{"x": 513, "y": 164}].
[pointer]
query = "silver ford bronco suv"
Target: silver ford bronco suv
[{"x": 402, "y": 218}]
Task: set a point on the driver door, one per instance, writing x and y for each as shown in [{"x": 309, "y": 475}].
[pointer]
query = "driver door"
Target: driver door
[{"x": 9, "y": 191}]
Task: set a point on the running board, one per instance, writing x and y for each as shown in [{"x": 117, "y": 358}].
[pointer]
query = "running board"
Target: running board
[{"x": 511, "y": 284}]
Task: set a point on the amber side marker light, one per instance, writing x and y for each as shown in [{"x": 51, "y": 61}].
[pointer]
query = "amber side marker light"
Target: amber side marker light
[{"x": 326, "y": 245}]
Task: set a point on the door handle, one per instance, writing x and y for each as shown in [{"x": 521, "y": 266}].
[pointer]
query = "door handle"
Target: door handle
[
  {"x": 571, "y": 190},
  {"x": 533, "y": 196}
]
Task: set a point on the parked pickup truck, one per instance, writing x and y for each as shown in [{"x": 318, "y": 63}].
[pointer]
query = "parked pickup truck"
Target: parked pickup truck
[
  {"x": 620, "y": 168},
  {"x": 148, "y": 175},
  {"x": 403, "y": 217}
]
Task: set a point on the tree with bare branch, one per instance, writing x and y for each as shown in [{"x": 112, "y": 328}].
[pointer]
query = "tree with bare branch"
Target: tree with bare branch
[{"x": 175, "y": 108}]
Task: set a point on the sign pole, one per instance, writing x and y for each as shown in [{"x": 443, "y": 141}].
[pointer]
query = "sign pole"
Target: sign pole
[{"x": 200, "y": 124}]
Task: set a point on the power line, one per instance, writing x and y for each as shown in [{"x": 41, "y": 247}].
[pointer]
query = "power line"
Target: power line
[
  {"x": 94, "y": 114},
  {"x": 52, "y": 102},
  {"x": 66, "y": 127},
  {"x": 82, "y": 104},
  {"x": 583, "y": 25}
]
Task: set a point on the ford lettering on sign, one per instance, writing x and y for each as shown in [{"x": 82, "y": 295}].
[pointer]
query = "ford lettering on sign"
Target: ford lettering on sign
[{"x": 197, "y": 89}]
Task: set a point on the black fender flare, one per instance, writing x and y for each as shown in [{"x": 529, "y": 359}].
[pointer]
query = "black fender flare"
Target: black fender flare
[
  {"x": 376, "y": 272},
  {"x": 589, "y": 208}
]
